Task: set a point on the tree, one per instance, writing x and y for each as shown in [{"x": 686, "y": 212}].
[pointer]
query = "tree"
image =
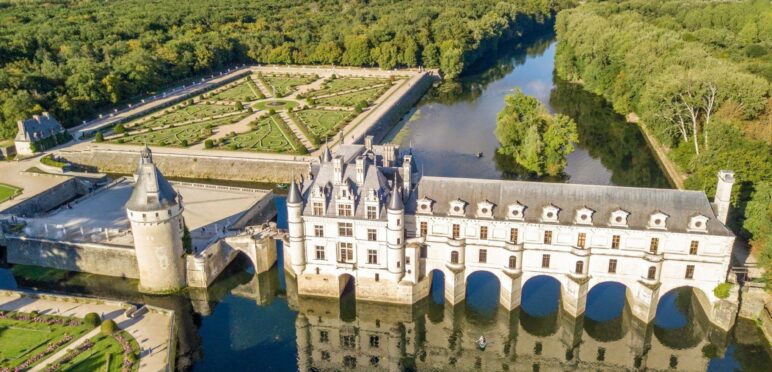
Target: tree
[
  {"x": 239, "y": 106},
  {"x": 99, "y": 137},
  {"x": 92, "y": 319},
  {"x": 108, "y": 327},
  {"x": 119, "y": 128}
]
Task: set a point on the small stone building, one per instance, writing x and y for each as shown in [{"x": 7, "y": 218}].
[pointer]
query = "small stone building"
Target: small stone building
[{"x": 39, "y": 133}]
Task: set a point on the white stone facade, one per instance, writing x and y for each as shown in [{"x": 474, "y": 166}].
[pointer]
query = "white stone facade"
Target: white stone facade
[{"x": 650, "y": 240}]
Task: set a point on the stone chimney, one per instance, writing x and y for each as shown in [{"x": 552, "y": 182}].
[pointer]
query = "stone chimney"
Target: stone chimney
[
  {"x": 337, "y": 169},
  {"x": 722, "y": 200},
  {"x": 360, "y": 164},
  {"x": 369, "y": 143},
  {"x": 389, "y": 154},
  {"x": 407, "y": 162}
]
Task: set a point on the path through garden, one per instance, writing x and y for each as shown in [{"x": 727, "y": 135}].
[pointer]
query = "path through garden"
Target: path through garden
[{"x": 299, "y": 133}]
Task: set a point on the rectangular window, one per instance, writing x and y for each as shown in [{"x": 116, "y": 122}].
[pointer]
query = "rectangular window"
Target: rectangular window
[
  {"x": 348, "y": 342},
  {"x": 345, "y": 252},
  {"x": 407, "y": 260},
  {"x": 372, "y": 256},
  {"x": 423, "y": 251},
  {"x": 318, "y": 209},
  {"x": 513, "y": 235},
  {"x": 654, "y": 245},
  {"x": 423, "y": 230},
  {"x": 689, "y": 272},
  {"x": 318, "y": 231},
  {"x": 612, "y": 266},
  {"x": 372, "y": 235},
  {"x": 324, "y": 337},
  {"x": 375, "y": 341},
  {"x": 615, "y": 242},
  {"x": 581, "y": 240},
  {"x": 344, "y": 210},
  {"x": 483, "y": 232},
  {"x": 456, "y": 230},
  {"x": 371, "y": 212},
  {"x": 319, "y": 252},
  {"x": 693, "y": 247},
  {"x": 548, "y": 237},
  {"x": 483, "y": 256},
  {"x": 345, "y": 229},
  {"x": 545, "y": 261}
]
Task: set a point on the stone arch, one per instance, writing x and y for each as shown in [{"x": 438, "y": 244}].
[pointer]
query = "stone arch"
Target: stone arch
[
  {"x": 347, "y": 284},
  {"x": 683, "y": 317},
  {"x": 482, "y": 292},
  {"x": 540, "y": 295},
  {"x": 608, "y": 311}
]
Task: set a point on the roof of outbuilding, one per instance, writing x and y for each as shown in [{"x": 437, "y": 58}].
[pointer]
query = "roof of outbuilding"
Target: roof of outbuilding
[
  {"x": 44, "y": 125},
  {"x": 679, "y": 205}
]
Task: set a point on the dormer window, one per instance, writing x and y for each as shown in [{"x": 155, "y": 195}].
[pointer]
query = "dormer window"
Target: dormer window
[
  {"x": 425, "y": 206},
  {"x": 457, "y": 207},
  {"x": 658, "y": 220},
  {"x": 485, "y": 209},
  {"x": 516, "y": 211},
  {"x": 584, "y": 216},
  {"x": 618, "y": 218},
  {"x": 550, "y": 213},
  {"x": 698, "y": 223}
]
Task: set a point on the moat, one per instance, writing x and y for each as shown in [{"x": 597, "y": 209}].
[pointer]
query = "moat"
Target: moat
[{"x": 249, "y": 322}]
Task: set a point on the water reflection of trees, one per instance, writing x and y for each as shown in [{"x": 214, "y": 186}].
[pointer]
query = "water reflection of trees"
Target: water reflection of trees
[{"x": 619, "y": 145}]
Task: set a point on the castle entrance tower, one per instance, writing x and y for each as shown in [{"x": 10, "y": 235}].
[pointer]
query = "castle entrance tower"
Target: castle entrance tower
[
  {"x": 297, "y": 252},
  {"x": 155, "y": 212}
]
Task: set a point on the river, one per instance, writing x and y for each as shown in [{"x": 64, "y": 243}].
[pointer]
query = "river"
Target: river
[{"x": 248, "y": 322}]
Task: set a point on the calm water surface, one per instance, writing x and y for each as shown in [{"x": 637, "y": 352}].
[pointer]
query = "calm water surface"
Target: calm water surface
[{"x": 248, "y": 322}]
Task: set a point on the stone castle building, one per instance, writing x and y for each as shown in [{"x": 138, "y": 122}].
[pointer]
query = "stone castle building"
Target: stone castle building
[
  {"x": 366, "y": 216},
  {"x": 37, "y": 130}
]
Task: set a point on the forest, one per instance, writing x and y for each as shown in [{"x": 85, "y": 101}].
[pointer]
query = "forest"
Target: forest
[
  {"x": 75, "y": 58},
  {"x": 695, "y": 73}
]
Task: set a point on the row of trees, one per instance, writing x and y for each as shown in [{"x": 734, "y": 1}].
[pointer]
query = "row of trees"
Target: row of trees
[
  {"x": 73, "y": 59},
  {"x": 536, "y": 140},
  {"x": 702, "y": 102}
]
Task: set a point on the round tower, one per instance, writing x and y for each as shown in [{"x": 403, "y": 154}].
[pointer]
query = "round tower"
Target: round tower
[
  {"x": 155, "y": 212},
  {"x": 295, "y": 221},
  {"x": 395, "y": 234}
]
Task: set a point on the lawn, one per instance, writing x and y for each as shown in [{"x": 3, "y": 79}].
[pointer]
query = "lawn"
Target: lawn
[
  {"x": 323, "y": 123},
  {"x": 106, "y": 350},
  {"x": 266, "y": 137},
  {"x": 241, "y": 92},
  {"x": 283, "y": 85},
  {"x": 181, "y": 115},
  {"x": 351, "y": 99},
  {"x": 182, "y": 136},
  {"x": 276, "y": 104},
  {"x": 346, "y": 83},
  {"x": 20, "y": 340},
  {"x": 8, "y": 191}
]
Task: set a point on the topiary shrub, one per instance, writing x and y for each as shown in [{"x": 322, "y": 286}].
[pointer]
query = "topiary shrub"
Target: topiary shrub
[
  {"x": 184, "y": 143},
  {"x": 34, "y": 314},
  {"x": 92, "y": 319},
  {"x": 239, "y": 106},
  {"x": 108, "y": 327},
  {"x": 208, "y": 144},
  {"x": 722, "y": 290},
  {"x": 272, "y": 112},
  {"x": 99, "y": 137}
]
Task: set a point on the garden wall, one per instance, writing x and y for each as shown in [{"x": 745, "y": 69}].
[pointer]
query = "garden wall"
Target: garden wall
[{"x": 48, "y": 199}]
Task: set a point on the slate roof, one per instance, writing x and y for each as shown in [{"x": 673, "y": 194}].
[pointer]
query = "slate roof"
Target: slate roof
[
  {"x": 38, "y": 127},
  {"x": 152, "y": 192},
  {"x": 679, "y": 205}
]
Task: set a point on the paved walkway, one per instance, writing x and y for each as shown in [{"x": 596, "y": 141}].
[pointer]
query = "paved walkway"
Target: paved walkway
[
  {"x": 221, "y": 131},
  {"x": 296, "y": 129},
  {"x": 151, "y": 330},
  {"x": 267, "y": 92}
]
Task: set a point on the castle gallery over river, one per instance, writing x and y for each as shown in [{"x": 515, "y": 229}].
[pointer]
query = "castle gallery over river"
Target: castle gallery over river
[{"x": 365, "y": 216}]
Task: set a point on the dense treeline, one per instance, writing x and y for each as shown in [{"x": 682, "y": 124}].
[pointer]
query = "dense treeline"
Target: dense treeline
[
  {"x": 708, "y": 101},
  {"x": 73, "y": 58}
]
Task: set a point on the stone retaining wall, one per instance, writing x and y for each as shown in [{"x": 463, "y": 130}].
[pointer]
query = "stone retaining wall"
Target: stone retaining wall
[
  {"x": 83, "y": 257},
  {"x": 253, "y": 169},
  {"x": 48, "y": 199}
]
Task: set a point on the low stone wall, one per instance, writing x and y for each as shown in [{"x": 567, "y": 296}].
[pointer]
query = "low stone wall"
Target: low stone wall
[
  {"x": 48, "y": 199},
  {"x": 206, "y": 266},
  {"x": 192, "y": 165},
  {"x": 83, "y": 257},
  {"x": 757, "y": 305}
]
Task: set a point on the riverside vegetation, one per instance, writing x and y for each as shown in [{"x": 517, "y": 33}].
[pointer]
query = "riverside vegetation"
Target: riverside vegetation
[
  {"x": 76, "y": 58},
  {"x": 697, "y": 74}
]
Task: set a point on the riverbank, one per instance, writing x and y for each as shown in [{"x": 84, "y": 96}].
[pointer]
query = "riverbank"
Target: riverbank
[{"x": 671, "y": 170}]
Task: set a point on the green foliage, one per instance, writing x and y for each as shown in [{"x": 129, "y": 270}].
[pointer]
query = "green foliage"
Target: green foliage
[
  {"x": 208, "y": 144},
  {"x": 92, "y": 319},
  {"x": 536, "y": 140},
  {"x": 99, "y": 137},
  {"x": 119, "y": 129},
  {"x": 108, "y": 327},
  {"x": 239, "y": 106},
  {"x": 722, "y": 290},
  {"x": 75, "y": 58},
  {"x": 187, "y": 241},
  {"x": 49, "y": 160}
]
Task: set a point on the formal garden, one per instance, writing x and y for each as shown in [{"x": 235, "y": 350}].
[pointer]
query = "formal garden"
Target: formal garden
[
  {"x": 8, "y": 192},
  {"x": 31, "y": 339},
  {"x": 279, "y": 109}
]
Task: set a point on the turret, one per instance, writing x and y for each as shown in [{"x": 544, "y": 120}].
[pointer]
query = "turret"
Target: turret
[
  {"x": 155, "y": 212},
  {"x": 395, "y": 233},
  {"x": 295, "y": 222},
  {"x": 326, "y": 155},
  {"x": 407, "y": 169},
  {"x": 722, "y": 201}
]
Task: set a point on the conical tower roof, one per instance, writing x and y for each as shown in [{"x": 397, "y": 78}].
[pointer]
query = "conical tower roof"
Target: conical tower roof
[
  {"x": 152, "y": 191},
  {"x": 294, "y": 196},
  {"x": 326, "y": 155},
  {"x": 395, "y": 203}
]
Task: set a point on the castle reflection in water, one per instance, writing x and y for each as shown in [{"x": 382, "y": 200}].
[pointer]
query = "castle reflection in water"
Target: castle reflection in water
[{"x": 352, "y": 335}]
